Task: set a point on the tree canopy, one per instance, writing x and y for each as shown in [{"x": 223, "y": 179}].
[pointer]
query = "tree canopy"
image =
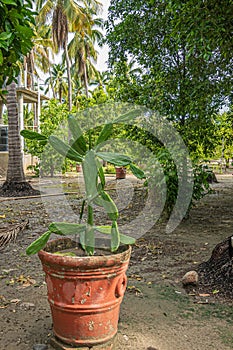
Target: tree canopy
[
  {"x": 16, "y": 19},
  {"x": 184, "y": 49}
]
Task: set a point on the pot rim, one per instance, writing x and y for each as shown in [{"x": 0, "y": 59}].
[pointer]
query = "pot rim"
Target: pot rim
[{"x": 94, "y": 261}]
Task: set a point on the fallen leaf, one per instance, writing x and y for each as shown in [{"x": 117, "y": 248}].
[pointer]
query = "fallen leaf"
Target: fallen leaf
[
  {"x": 15, "y": 301},
  {"x": 215, "y": 291}
]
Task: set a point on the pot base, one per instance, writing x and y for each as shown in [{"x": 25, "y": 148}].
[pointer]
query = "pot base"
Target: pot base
[
  {"x": 85, "y": 294},
  {"x": 58, "y": 345}
]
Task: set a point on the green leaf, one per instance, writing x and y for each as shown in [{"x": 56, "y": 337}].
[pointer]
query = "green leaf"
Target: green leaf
[
  {"x": 114, "y": 158},
  {"x": 79, "y": 143},
  {"x": 137, "y": 172},
  {"x": 115, "y": 237},
  {"x": 64, "y": 149},
  {"x": 101, "y": 173},
  {"x": 5, "y": 36},
  {"x": 123, "y": 238},
  {"x": 24, "y": 32},
  {"x": 106, "y": 229},
  {"x": 38, "y": 244},
  {"x": 106, "y": 201},
  {"x": 1, "y": 57},
  {"x": 90, "y": 173},
  {"x": 129, "y": 116},
  {"x": 66, "y": 228},
  {"x": 105, "y": 134},
  {"x": 33, "y": 135},
  {"x": 9, "y": 2},
  {"x": 127, "y": 239},
  {"x": 82, "y": 239}
]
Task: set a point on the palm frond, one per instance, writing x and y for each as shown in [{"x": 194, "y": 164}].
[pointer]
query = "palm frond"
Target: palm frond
[{"x": 10, "y": 235}]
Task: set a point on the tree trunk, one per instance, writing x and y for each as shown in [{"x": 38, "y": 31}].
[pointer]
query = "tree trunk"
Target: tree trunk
[
  {"x": 51, "y": 82},
  {"x": 15, "y": 184},
  {"x": 68, "y": 78},
  {"x": 1, "y": 111},
  {"x": 217, "y": 272},
  {"x": 85, "y": 79},
  {"x": 15, "y": 163}
]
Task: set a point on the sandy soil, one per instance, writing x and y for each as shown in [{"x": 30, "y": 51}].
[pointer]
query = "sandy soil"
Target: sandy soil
[{"x": 157, "y": 313}]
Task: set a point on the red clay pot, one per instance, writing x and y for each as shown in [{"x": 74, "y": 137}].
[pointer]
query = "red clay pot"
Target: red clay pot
[
  {"x": 120, "y": 173},
  {"x": 85, "y": 293},
  {"x": 78, "y": 168}
]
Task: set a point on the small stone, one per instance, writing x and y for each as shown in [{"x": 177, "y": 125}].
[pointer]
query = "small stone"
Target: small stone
[
  {"x": 40, "y": 347},
  {"x": 27, "y": 306},
  {"x": 126, "y": 338},
  {"x": 190, "y": 278}
]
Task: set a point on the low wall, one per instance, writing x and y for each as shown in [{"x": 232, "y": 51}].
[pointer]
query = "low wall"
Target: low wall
[
  {"x": 3, "y": 163},
  {"x": 28, "y": 160}
]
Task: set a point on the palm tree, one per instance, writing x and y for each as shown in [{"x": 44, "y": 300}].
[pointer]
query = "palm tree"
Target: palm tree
[
  {"x": 62, "y": 13},
  {"x": 82, "y": 49},
  {"x": 57, "y": 81},
  {"x": 67, "y": 16},
  {"x": 39, "y": 55}
]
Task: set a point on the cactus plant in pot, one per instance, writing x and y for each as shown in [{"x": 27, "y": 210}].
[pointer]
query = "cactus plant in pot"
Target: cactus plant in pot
[{"x": 86, "y": 277}]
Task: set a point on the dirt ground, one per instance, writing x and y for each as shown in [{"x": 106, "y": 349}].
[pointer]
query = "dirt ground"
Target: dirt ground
[{"x": 157, "y": 313}]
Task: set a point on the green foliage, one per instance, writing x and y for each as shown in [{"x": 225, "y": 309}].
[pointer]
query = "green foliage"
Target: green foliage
[
  {"x": 109, "y": 169},
  {"x": 184, "y": 52},
  {"x": 99, "y": 96},
  {"x": 201, "y": 183},
  {"x": 16, "y": 20},
  {"x": 224, "y": 133},
  {"x": 181, "y": 67},
  {"x": 167, "y": 181},
  {"x": 52, "y": 115}
]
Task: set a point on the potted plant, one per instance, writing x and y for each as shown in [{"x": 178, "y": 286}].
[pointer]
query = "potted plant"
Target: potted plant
[
  {"x": 120, "y": 172},
  {"x": 78, "y": 167},
  {"x": 85, "y": 284}
]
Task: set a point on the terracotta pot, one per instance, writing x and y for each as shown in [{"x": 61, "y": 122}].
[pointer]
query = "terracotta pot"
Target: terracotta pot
[
  {"x": 120, "y": 173},
  {"x": 84, "y": 293},
  {"x": 78, "y": 168}
]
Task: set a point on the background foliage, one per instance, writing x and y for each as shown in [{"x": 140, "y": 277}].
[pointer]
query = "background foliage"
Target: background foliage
[{"x": 16, "y": 19}]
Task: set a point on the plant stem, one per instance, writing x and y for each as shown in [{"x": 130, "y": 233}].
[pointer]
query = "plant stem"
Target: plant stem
[
  {"x": 90, "y": 215},
  {"x": 81, "y": 211}
]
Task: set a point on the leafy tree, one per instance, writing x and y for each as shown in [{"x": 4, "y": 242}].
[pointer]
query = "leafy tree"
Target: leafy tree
[
  {"x": 53, "y": 114},
  {"x": 123, "y": 82},
  {"x": 15, "y": 37},
  {"x": 224, "y": 136},
  {"x": 58, "y": 81},
  {"x": 184, "y": 49}
]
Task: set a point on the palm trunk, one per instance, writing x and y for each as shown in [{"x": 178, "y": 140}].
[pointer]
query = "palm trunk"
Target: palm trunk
[
  {"x": 68, "y": 78},
  {"x": 51, "y": 82},
  {"x": 15, "y": 184},
  {"x": 85, "y": 79},
  {"x": 15, "y": 163}
]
